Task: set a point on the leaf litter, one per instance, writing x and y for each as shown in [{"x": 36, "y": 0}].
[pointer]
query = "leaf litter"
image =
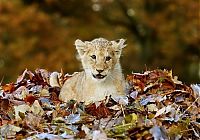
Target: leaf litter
[{"x": 157, "y": 106}]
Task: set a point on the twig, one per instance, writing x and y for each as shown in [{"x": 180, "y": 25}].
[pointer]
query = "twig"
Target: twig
[
  {"x": 186, "y": 130},
  {"x": 110, "y": 119},
  {"x": 122, "y": 110},
  {"x": 99, "y": 122},
  {"x": 195, "y": 133},
  {"x": 1, "y": 80},
  {"x": 189, "y": 106}
]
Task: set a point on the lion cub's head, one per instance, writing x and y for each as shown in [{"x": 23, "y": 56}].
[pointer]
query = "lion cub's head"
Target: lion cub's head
[{"x": 99, "y": 57}]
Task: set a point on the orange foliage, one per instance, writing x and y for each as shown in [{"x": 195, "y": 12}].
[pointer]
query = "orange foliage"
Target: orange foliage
[{"x": 41, "y": 34}]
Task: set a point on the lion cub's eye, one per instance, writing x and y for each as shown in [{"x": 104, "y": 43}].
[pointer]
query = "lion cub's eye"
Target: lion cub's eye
[
  {"x": 93, "y": 56},
  {"x": 108, "y": 58}
]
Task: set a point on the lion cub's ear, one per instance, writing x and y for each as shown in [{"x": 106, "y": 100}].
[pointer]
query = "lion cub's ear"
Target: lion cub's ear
[
  {"x": 80, "y": 46},
  {"x": 121, "y": 44},
  {"x": 118, "y": 45}
]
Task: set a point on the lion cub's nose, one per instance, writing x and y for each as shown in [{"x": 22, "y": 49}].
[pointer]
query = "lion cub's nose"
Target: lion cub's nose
[{"x": 100, "y": 71}]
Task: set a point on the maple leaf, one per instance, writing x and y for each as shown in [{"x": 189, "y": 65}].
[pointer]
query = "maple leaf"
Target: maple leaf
[{"x": 100, "y": 112}]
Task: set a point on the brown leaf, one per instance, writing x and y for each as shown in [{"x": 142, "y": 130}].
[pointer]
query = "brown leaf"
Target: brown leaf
[
  {"x": 54, "y": 96},
  {"x": 44, "y": 73},
  {"x": 100, "y": 112},
  {"x": 37, "y": 78},
  {"x": 9, "y": 87},
  {"x": 81, "y": 134},
  {"x": 4, "y": 104},
  {"x": 30, "y": 99}
]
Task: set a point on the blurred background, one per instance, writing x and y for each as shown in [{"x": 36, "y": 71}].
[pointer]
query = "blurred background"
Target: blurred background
[{"x": 41, "y": 34}]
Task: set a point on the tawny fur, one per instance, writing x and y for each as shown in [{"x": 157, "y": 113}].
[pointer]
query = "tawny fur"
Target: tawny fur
[{"x": 83, "y": 86}]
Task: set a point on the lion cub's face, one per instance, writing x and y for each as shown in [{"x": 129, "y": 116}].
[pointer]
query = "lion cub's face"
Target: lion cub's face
[{"x": 99, "y": 57}]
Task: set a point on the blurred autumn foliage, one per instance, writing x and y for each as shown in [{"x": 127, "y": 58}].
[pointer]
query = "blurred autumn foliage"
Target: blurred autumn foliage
[{"x": 41, "y": 33}]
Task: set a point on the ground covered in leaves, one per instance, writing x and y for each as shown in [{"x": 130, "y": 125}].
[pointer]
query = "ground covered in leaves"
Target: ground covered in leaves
[{"x": 158, "y": 107}]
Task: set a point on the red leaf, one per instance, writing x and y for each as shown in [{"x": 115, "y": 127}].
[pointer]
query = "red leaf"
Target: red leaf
[
  {"x": 100, "y": 112},
  {"x": 30, "y": 99}
]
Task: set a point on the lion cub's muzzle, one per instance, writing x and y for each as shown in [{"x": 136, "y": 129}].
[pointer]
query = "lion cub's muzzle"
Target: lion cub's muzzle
[{"x": 99, "y": 75}]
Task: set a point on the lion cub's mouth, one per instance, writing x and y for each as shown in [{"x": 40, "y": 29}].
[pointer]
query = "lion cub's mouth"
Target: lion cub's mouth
[{"x": 98, "y": 76}]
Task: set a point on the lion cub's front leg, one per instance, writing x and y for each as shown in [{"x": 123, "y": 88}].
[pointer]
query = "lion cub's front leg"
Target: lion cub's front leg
[
  {"x": 70, "y": 89},
  {"x": 67, "y": 92}
]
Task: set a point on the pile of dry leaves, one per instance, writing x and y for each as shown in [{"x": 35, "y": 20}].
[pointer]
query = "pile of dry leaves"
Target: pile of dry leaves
[{"x": 159, "y": 106}]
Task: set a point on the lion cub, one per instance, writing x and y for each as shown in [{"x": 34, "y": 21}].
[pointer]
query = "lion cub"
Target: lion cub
[{"x": 102, "y": 75}]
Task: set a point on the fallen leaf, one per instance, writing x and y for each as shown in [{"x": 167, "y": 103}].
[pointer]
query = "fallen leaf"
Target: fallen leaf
[
  {"x": 168, "y": 109},
  {"x": 99, "y": 135},
  {"x": 72, "y": 118},
  {"x": 59, "y": 120},
  {"x": 33, "y": 121},
  {"x": 21, "y": 108},
  {"x": 160, "y": 112},
  {"x": 53, "y": 80},
  {"x": 47, "y": 136},
  {"x": 9, "y": 87},
  {"x": 196, "y": 89},
  {"x": 66, "y": 136},
  {"x": 21, "y": 92},
  {"x": 131, "y": 118},
  {"x": 155, "y": 103},
  {"x": 36, "y": 108},
  {"x": 1, "y": 92},
  {"x": 115, "y": 107},
  {"x": 9, "y": 131},
  {"x": 152, "y": 107},
  {"x": 30, "y": 99},
  {"x": 100, "y": 112},
  {"x": 44, "y": 93},
  {"x": 21, "y": 77},
  {"x": 146, "y": 100},
  {"x": 81, "y": 134},
  {"x": 36, "y": 89},
  {"x": 134, "y": 94},
  {"x": 159, "y": 133},
  {"x": 4, "y": 104},
  {"x": 123, "y": 100}
]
